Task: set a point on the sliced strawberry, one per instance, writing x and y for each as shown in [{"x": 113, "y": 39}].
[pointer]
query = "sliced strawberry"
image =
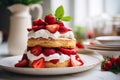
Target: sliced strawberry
[
  {"x": 40, "y": 63},
  {"x": 22, "y": 63},
  {"x": 52, "y": 28},
  {"x": 54, "y": 61},
  {"x": 35, "y": 22},
  {"x": 63, "y": 29},
  {"x": 24, "y": 57},
  {"x": 36, "y": 50},
  {"x": 79, "y": 59},
  {"x": 75, "y": 62},
  {"x": 61, "y": 23},
  {"x": 48, "y": 51},
  {"x": 68, "y": 51},
  {"x": 50, "y": 19},
  {"x": 80, "y": 45},
  {"x": 39, "y": 22},
  {"x": 35, "y": 28}
]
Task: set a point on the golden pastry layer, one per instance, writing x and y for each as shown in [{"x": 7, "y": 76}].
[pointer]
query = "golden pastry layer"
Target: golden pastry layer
[
  {"x": 58, "y": 64},
  {"x": 62, "y": 64},
  {"x": 50, "y": 43}
]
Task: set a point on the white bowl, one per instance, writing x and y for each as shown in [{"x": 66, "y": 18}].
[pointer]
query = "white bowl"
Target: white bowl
[{"x": 109, "y": 40}]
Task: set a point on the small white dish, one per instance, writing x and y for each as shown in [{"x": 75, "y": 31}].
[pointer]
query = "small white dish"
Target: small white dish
[
  {"x": 89, "y": 62},
  {"x": 106, "y": 46},
  {"x": 109, "y": 40}
]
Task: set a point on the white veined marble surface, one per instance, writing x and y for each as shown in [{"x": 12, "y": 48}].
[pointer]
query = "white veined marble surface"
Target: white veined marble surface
[{"x": 92, "y": 74}]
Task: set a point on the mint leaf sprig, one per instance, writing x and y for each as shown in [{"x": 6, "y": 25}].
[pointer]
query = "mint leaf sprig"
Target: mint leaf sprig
[{"x": 59, "y": 14}]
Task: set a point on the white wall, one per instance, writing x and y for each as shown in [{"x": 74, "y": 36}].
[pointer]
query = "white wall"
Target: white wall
[
  {"x": 81, "y": 10},
  {"x": 67, "y": 8},
  {"x": 95, "y": 7},
  {"x": 112, "y": 7}
]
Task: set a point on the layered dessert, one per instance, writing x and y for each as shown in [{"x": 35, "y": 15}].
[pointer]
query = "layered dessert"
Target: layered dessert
[{"x": 50, "y": 44}]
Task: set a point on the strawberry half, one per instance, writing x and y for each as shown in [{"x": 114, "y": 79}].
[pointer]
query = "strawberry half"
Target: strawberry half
[
  {"x": 68, "y": 51},
  {"x": 48, "y": 51},
  {"x": 39, "y": 22},
  {"x": 61, "y": 23},
  {"x": 35, "y": 28},
  {"x": 24, "y": 57},
  {"x": 75, "y": 61},
  {"x": 36, "y": 50},
  {"x": 54, "y": 61},
  {"x": 79, "y": 59},
  {"x": 63, "y": 29},
  {"x": 22, "y": 63},
  {"x": 35, "y": 22},
  {"x": 40, "y": 63},
  {"x": 80, "y": 45},
  {"x": 50, "y": 19},
  {"x": 52, "y": 28}
]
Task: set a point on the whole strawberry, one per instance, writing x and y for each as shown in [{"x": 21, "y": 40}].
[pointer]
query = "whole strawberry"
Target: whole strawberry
[
  {"x": 113, "y": 60},
  {"x": 118, "y": 61},
  {"x": 50, "y": 19},
  {"x": 111, "y": 64},
  {"x": 107, "y": 64}
]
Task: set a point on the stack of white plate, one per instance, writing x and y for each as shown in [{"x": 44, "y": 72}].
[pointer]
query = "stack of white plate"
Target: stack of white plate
[{"x": 109, "y": 44}]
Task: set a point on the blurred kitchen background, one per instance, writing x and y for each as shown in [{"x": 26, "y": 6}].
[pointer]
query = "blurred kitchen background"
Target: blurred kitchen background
[{"x": 91, "y": 18}]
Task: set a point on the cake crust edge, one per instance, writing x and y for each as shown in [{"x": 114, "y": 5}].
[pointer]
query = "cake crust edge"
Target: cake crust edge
[{"x": 50, "y": 43}]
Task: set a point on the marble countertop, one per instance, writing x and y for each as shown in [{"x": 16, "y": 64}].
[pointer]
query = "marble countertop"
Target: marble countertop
[{"x": 92, "y": 74}]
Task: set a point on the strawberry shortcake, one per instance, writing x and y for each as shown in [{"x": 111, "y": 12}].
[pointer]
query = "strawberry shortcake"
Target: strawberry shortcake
[{"x": 50, "y": 44}]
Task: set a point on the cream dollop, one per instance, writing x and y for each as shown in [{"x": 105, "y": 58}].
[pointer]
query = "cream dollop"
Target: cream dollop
[
  {"x": 43, "y": 33},
  {"x": 68, "y": 34},
  {"x": 61, "y": 57}
]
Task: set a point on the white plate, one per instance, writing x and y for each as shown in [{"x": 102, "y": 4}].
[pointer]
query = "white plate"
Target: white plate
[
  {"x": 104, "y": 45},
  {"x": 109, "y": 40},
  {"x": 93, "y": 47},
  {"x": 89, "y": 62},
  {"x": 109, "y": 53}
]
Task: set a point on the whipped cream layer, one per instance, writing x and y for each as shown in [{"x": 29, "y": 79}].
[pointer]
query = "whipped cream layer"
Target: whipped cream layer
[
  {"x": 43, "y": 33},
  {"x": 61, "y": 57}
]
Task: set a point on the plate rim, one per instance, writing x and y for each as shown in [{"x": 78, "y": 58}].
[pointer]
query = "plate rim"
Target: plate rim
[
  {"x": 100, "y": 38},
  {"x": 102, "y": 48}
]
